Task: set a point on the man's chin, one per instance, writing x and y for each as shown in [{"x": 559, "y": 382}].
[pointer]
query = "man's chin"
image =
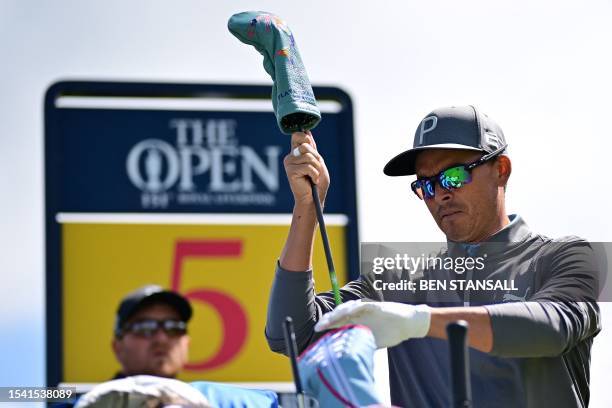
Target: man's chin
[
  {"x": 163, "y": 368},
  {"x": 455, "y": 234}
]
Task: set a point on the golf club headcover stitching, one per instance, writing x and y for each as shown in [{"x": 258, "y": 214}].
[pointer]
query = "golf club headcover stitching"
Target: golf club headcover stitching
[{"x": 294, "y": 103}]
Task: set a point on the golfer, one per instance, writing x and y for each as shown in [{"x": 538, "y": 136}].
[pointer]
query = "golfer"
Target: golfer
[{"x": 529, "y": 347}]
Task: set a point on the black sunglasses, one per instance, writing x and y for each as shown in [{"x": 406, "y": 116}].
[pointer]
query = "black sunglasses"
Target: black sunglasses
[
  {"x": 148, "y": 327},
  {"x": 453, "y": 177}
]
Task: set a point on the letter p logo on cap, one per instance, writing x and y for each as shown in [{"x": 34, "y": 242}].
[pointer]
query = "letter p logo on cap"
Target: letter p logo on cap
[{"x": 425, "y": 128}]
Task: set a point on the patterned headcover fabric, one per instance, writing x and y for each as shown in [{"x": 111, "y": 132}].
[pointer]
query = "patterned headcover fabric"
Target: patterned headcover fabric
[
  {"x": 143, "y": 391},
  {"x": 338, "y": 369},
  {"x": 294, "y": 103}
]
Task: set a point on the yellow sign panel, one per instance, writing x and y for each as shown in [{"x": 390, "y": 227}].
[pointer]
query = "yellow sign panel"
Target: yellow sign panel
[{"x": 225, "y": 271}]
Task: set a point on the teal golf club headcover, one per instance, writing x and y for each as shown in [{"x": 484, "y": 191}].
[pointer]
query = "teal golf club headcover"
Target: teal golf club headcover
[{"x": 294, "y": 103}]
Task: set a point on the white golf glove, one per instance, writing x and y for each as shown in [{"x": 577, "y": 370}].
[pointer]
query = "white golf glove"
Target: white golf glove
[{"x": 390, "y": 322}]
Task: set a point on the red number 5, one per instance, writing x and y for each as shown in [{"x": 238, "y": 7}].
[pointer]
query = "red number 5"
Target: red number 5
[{"x": 232, "y": 314}]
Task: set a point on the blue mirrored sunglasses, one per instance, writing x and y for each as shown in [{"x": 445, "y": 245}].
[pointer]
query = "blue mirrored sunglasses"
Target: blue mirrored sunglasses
[{"x": 450, "y": 178}]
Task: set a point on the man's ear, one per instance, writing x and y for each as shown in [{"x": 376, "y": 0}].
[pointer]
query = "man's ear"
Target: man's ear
[
  {"x": 504, "y": 169},
  {"x": 188, "y": 340},
  {"x": 116, "y": 345}
]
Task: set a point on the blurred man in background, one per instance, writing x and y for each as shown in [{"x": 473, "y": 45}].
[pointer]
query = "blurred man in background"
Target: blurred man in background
[
  {"x": 151, "y": 333},
  {"x": 151, "y": 341}
]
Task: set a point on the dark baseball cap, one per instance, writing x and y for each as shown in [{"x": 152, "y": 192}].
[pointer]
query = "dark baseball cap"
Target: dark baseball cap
[
  {"x": 455, "y": 127},
  {"x": 148, "y": 295}
]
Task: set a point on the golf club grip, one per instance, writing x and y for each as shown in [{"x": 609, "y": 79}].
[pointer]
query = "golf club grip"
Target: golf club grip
[{"x": 460, "y": 364}]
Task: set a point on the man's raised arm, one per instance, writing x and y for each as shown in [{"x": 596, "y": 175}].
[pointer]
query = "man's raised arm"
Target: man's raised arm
[{"x": 292, "y": 292}]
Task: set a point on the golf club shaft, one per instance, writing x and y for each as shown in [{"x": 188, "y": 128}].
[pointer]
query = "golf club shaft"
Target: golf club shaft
[
  {"x": 291, "y": 345},
  {"x": 326, "y": 247}
]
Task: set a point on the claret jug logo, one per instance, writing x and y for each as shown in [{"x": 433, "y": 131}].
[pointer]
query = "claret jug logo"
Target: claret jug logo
[{"x": 206, "y": 166}]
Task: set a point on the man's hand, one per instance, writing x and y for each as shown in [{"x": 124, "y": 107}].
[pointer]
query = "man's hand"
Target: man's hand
[
  {"x": 308, "y": 166},
  {"x": 390, "y": 322}
]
